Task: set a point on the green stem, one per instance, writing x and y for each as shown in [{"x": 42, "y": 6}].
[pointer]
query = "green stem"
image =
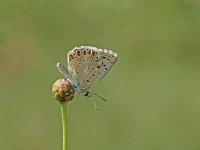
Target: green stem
[{"x": 64, "y": 124}]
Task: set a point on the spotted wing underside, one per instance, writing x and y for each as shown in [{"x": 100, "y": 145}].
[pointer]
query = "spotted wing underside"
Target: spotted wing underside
[{"x": 88, "y": 65}]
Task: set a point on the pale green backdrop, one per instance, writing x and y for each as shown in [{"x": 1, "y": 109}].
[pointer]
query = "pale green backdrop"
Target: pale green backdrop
[{"x": 153, "y": 90}]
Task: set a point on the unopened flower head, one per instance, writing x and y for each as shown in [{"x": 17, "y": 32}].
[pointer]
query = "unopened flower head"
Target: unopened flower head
[{"x": 62, "y": 90}]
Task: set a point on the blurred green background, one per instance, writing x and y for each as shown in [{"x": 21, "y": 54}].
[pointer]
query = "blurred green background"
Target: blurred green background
[{"x": 153, "y": 90}]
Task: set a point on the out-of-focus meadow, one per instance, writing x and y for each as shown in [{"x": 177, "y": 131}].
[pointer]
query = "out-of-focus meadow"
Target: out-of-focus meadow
[{"x": 153, "y": 90}]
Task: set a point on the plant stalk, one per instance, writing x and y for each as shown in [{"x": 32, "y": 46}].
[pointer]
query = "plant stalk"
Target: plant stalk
[{"x": 64, "y": 124}]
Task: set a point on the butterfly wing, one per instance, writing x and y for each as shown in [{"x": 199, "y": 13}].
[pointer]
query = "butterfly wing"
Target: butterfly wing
[
  {"x": 76, "y": 61},
  {"x": 88, "y": 65},
  {"x": 100, "y": 62}
]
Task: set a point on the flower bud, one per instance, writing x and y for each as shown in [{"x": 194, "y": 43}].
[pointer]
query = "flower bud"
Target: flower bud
[{"x": 62, "y": 90}]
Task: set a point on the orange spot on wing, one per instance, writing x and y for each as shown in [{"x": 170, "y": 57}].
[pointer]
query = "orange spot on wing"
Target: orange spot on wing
[
  {"x": 71, "y": 57},
  {"x": 78, "y": 53},
  {"x": 93, "y": 53},
  {"x": 89, "y": 52}
]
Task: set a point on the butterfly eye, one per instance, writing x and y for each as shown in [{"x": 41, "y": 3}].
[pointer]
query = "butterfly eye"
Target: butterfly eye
[{"x": 86, "y": 94}]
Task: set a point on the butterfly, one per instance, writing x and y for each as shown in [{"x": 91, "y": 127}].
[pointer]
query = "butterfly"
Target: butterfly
[{"x": 87, "y": 65}]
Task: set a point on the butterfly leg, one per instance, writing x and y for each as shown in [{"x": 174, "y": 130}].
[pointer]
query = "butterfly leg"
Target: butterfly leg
[{"x": 87, "y": 94}]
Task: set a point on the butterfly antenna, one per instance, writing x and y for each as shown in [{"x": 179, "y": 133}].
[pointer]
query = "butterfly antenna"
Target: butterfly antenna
[{"x": 99, "y": 97}]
